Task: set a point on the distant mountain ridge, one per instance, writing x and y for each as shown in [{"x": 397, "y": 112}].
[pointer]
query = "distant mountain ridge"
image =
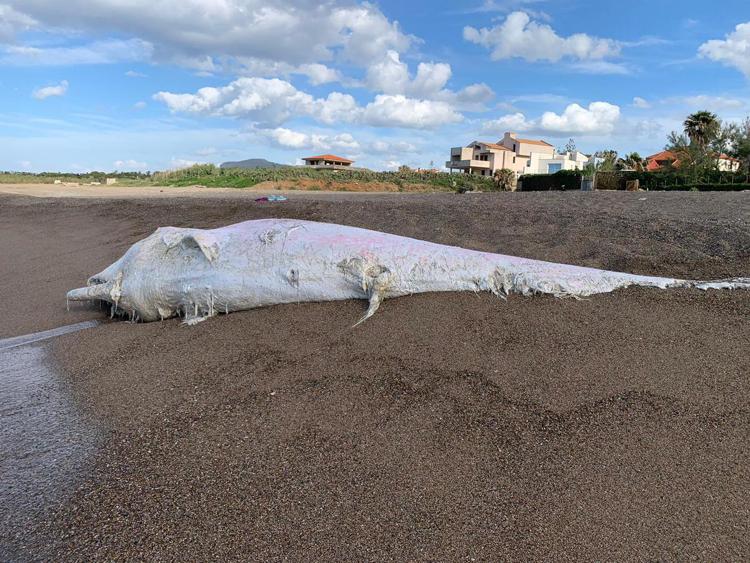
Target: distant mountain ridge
[{"x": 252, "y": 163}]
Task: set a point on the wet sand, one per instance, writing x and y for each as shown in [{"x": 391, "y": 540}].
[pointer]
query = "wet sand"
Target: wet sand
[
  {"x": 46, "y": 444},
  {"x": 447, "y": 427}
]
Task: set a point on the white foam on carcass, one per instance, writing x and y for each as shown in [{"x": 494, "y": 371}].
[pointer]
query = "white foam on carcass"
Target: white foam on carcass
[{"x": 198, "y": 273}]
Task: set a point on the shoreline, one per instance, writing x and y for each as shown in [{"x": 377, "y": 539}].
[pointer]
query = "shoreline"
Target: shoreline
[{"x": 47, "y": 447}]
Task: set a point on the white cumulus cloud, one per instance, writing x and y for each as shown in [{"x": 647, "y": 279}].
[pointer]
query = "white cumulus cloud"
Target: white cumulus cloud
[
  {"x": 288, "y": 138},
  {"x": 391, "y": 76},
  {"x": 600, "y": 118},
  {"x": 335, "y": 108},
  {"x": 319, "y": 74},
  {"x": 734, "y": 50},
  {"x": 262, "y": 99},
  {"x": 272, "y": 102},
  {"x": 51, "y": 91},
  {"x": 368, "y": 33},
  {"x": 510, "y": 122},
  {"x": 520, "y": 37},
  {"x": 400, "y": 111}
]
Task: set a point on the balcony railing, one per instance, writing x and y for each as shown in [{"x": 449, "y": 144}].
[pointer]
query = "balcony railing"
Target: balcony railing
[{"x": 468, "y": 164}]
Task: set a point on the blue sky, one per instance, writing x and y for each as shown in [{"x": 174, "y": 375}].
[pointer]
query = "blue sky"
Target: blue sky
[{"x": 156, "y": 84}]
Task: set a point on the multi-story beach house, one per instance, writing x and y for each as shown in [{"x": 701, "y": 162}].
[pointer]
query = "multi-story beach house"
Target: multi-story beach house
[{"x": 522, "y": 156}]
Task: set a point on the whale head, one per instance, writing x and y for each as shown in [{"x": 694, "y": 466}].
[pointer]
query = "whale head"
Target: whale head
[{"x": 154, "y": 278}]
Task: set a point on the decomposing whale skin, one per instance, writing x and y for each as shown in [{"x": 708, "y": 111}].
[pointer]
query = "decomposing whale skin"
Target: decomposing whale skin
[{"x": 199, "y": 273}]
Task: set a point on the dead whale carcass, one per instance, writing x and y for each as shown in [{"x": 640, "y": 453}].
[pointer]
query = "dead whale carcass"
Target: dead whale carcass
[{"x": 198, "y": 273}]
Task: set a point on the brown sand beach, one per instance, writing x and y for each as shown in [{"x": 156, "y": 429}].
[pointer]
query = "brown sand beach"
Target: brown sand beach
[{"x": 447, "y": 427}]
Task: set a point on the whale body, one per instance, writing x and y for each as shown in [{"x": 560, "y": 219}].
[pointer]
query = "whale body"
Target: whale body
[{"x": 198, "y": 273}]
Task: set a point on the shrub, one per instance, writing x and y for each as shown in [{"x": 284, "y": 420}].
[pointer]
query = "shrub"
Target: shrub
[{"x": 505, "y": 180}]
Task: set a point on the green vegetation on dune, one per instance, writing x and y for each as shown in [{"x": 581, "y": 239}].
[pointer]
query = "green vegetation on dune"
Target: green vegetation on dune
[
  {"x": 126, "y": 178},
  {"x": 210, "y": 175},
  {"x": 213, "y": 176}
]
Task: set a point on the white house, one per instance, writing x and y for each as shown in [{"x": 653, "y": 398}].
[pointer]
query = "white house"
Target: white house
[{"x": 522, "y": 156}]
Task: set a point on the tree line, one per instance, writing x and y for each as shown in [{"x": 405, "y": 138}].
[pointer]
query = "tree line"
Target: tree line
[{"x": 697, "y": 147}]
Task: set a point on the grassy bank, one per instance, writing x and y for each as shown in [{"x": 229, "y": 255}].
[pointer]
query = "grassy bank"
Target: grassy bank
[
  {"x": 289, "y": 178},
  {"x": 312, "y": 179}
]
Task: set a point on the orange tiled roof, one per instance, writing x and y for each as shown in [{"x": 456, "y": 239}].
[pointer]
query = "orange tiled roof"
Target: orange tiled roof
[
  {"x": 533, "y": 142},
  {"x": 495, "y": 146},
  {"x": 332, "y": 157}
]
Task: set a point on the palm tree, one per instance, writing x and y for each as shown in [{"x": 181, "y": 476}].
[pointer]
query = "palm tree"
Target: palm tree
[
  {"x": 702, "y": 127},
  {"x": 608, "y": 160},
  {"x": 633, "y": 161}
]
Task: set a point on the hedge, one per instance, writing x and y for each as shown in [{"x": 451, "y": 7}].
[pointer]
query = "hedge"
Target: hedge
[
  {"x": 707, "y": 188},
  {"x": 672, "y": 180},
  {"x": 562, "y": 180}
]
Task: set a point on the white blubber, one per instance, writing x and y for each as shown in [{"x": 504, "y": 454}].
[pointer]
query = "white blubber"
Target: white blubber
[{"x": 198, "y": 273}]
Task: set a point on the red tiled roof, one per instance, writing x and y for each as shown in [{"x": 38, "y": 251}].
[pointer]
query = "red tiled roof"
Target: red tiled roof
[
  {"x": 332, "y": 157},
  {"x": 727, "y": 157},
  {"x": 652, "y": 162},
  {"x": 663, "y": 155}
]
